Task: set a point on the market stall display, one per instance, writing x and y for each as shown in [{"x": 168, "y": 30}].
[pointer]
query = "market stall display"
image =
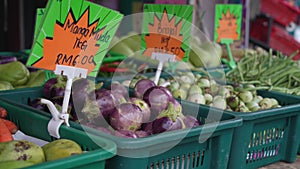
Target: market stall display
[
  {"x": 152, "y": 150},
  {"x": 95, "y": 150},
  {"x": 160, "y": 96}
]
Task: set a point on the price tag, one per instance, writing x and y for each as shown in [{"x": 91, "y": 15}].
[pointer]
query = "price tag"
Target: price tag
[
  {"x": 228, "y": 19},
  {"x": 167, "y": 29},
  {"x": 74, "y": 33},
  {"x": 171, "y": 1}
]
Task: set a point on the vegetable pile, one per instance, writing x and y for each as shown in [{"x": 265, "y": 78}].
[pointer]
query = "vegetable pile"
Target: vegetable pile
[
  {"x": 14, "y": 74},
  {"x": 151, "y": 110},
  {"x": 267, "y": 71},
  {"x": 202, "y": 89},
  {"x": 15, "y": 153}
]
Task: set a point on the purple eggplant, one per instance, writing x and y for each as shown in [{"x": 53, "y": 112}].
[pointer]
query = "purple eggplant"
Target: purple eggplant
[
  {"x": 105, "y": 102},
  {"x": 190, "y": 121},
  {"x": 7, "y": 59},
  {"x": 169, "y": 93},
  {"x": 131, "y": 134},
  {"x": 54, "y": 87},
  {"x": 157, "y": 99},
  {"x": 36, "y": 103},
  {"x": 177, "y": 106},
  {"x": 147, "y": 127},
  {"x": 118, "y": 98},
  {"x": 142, "y": 86},
  {"x": 144, "y": 107},
  {"x": 168, "y": 120},
  {"x": 141, "y": 133},
  {"x": 125, "y": 134},
  {"x": 48, "y": 86},
  {"x": 80, "y": 90},
  {"x": 100, "y": 128},
  {"x": 163, "y": 124},
  {"x": 119, "y": 89},
  {"x": 126, "y": 116}
]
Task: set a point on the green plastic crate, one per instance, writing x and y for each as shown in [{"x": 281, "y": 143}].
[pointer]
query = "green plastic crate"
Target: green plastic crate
[
  {"x": 267, "y": 136},
  {"x": 296, "y": 97},
  {"x": 33, "y": 124},
  {"x": 187, "y": 152},
  {"x": 216, "y": 73},
  {"x": 20, "y": 56}
]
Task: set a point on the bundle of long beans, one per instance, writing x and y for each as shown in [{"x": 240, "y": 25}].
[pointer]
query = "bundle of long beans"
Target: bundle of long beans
[{"x": 267, "y": 71}]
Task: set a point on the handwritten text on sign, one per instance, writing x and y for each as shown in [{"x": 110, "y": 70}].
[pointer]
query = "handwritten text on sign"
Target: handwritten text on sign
[
  {"x": 228, "y": 22},
  {"x": 74, "y": 43},
  {"x": 164, "y": 37}
]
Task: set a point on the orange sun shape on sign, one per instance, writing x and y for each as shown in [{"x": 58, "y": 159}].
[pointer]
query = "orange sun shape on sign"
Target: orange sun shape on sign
[
  {"x": 227, "y": 27},
  {"x": 74, "y": 43},
  {"x": 164, "y": 37}
]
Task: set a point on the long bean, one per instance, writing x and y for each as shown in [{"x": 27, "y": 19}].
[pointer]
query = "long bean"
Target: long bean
[{"x": 267, "y": 71}]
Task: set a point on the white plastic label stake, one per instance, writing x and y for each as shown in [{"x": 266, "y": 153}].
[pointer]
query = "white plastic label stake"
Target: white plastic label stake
[
  {"x": 59, "y": 118},
  {"x": 162, "y": 58}
]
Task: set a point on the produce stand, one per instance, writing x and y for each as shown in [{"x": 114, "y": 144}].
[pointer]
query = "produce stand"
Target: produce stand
[
  {"x": 203, "y": 117},
  {"x": 99, "y": 150},
  {"x": 267, "y": 136},
  {"x": 187, "y": 150}
]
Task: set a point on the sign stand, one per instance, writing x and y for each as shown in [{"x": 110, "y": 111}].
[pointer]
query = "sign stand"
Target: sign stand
[
  {"x": 162, "y": 58},
  {"x": 231, "y": 63},
  {"x": 59, "y": 118}
]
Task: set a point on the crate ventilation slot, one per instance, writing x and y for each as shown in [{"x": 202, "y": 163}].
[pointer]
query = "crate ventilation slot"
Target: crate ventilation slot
[
  {"x": 264, "y": 144},
  {"x": 191, "y": 160}
]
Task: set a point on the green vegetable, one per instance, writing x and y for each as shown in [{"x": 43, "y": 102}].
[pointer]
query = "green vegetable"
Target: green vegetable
[
  {"x": 180, "y": 94},
  {"x": 203, "y": 82},
  {"x": 36, "y": 78},
  {"x": 195, "y": 89},
  {"x": 196, "y": 98},
  {"x": 219, "y": 102},
  {"x": 15, "y": 73},
  {"x": 266, "y": 71},
  {"x": 246, "y": 96},
  {"x": 233, "y": 101},
  {"x": 266, "y": 103},
  {"x": 5, "y": 85},
  {"x": 208, "y": 98}
]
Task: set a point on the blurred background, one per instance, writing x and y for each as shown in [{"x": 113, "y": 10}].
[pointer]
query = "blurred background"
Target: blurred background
[{"x": 266, "y": 23}]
